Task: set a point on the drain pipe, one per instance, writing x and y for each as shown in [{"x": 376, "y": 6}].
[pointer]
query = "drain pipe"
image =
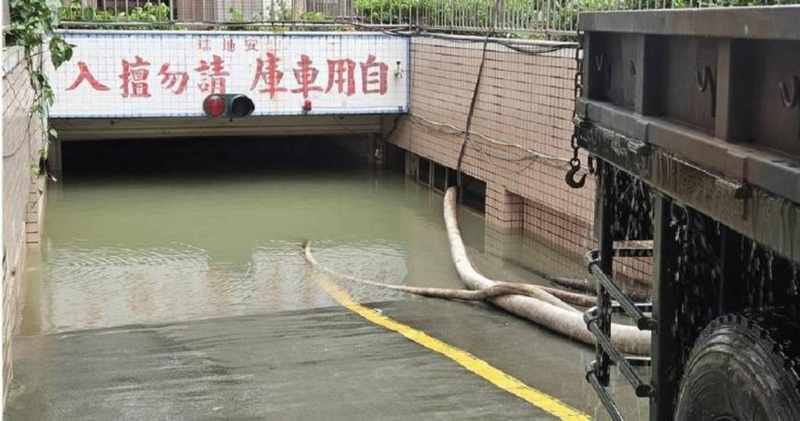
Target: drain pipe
[{"x": 628, "y": 339}]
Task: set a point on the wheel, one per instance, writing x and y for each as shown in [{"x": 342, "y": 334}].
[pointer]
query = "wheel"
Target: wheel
[{"x": 738, "y": 371}]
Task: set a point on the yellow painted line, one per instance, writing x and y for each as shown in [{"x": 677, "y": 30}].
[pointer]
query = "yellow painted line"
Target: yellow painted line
[{"x": 500, "y": 379}]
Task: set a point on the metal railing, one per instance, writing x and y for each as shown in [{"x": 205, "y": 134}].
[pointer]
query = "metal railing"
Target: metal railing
[
  {"x": 512, "y": 16},
  {"x": 205, "y": 11},
  {"x": 515, "y": 16}
]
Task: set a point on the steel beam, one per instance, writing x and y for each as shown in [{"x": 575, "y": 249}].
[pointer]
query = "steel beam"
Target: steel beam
[
  {"x": 771, "y": 22},
  {"x": 603, "y": 223},
  {"x": 665, "y": 355}
]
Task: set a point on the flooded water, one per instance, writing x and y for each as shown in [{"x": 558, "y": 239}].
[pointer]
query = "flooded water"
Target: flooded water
[
  {"x": 164, "y": 249},
  {"x": 165, "y": 253}
]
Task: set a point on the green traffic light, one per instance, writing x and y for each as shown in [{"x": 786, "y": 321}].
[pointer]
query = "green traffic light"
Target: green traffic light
[{"x": 238, "y": 105}]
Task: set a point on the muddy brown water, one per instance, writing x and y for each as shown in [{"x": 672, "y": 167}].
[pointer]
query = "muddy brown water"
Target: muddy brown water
[
  {"x": 155, "y": 251},
  {"x": 171, "y": 249}
]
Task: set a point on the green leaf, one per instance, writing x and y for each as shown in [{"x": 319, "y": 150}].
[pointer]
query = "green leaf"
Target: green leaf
[
  {"x": 31, "y": 22},
  {"x": 48, "y": 96}
]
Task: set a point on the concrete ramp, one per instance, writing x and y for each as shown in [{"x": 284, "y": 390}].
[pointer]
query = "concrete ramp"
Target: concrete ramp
[{"x": 309, "y": 365}]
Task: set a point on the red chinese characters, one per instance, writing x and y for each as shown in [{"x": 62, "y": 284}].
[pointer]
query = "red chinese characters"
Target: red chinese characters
[
  {"x": 214, "y": 75},
  {"x": 306, "y": 75},
  {"x": 374, "y": 76},
  {"x": 341, "y": 77},
  {"x": 170, "y": 79},
  {"x": 342, "y": 74},
  {"x": 86, "y": 74},
  {"x": 268, "y": 74},
  {"x": 134, "y": 78}
]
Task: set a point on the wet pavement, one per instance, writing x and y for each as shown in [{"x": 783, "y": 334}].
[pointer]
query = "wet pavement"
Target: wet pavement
[
  {"x": 312, "y": 364},
  {"x": 306, "y": 365}
]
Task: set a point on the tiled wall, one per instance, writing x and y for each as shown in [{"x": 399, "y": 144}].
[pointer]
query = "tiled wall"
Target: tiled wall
[
  {"x": 524, "y": 100},
  {"x": 23, "y": 137}
]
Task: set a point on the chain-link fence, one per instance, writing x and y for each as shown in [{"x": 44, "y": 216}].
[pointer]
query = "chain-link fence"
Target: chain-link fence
[
  {"x": 501, "y": 16},
  {"x": 515, "y": 138}
]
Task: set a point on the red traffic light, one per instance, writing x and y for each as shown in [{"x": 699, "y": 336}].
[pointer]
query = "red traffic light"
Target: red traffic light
[{"x": 214, "y": 105}]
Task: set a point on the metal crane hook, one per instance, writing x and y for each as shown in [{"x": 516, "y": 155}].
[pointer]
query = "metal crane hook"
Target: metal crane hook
[{"x": 575, "y": 165}]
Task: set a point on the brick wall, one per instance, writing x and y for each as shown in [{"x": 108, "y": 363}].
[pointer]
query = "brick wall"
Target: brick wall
[
  {"x": 23, "y": 136},
  {"x": 524, "y": 100}
]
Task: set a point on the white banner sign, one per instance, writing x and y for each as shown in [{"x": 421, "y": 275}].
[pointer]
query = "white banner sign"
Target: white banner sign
[{"x": 169, "y": 74}]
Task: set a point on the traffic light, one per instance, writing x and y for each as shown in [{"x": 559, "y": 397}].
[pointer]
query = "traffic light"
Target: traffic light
[{"x": 229, "y": 105}]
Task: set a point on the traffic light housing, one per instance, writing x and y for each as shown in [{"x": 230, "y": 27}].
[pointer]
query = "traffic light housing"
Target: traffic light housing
[{"x": 229, "y": 105}]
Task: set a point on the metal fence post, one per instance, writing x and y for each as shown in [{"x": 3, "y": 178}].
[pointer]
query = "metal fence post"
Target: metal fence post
[{"x": 664, "y": 353}]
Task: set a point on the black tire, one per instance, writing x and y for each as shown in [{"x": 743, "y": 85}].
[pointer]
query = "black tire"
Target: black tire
[{"x": 737, "y": 371}]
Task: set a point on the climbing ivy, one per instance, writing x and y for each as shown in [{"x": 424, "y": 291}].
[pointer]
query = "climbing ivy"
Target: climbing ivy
[{"x": 32, "y": 24}]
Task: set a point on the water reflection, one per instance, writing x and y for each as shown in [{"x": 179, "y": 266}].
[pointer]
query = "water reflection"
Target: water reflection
[{"x": 145, "y": 251}]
